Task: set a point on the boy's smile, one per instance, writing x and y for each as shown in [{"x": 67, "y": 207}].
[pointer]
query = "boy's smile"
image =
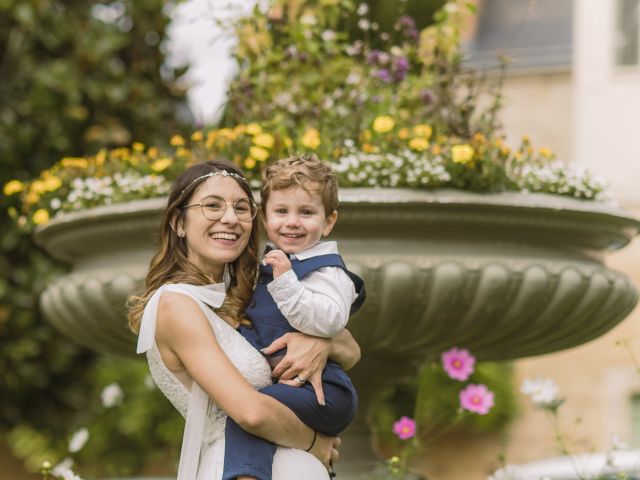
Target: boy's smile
[{"x": 296, "y": 220}]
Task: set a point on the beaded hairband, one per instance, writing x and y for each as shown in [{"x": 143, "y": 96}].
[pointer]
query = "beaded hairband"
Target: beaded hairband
[{"x": 222, "y": 173}]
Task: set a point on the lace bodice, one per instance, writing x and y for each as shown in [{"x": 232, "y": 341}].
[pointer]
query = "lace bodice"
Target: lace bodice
[{"x": 194, "y": 404}]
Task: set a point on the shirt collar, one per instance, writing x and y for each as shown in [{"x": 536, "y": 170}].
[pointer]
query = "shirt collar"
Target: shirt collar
[{"x": 320, "y": 248}]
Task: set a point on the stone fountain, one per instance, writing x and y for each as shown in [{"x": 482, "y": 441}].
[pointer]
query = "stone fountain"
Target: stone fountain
[{"x": 505, "y": 275}]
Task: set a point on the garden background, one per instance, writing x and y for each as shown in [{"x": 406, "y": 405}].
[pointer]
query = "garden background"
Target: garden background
[{"x": 570, "y": 87}]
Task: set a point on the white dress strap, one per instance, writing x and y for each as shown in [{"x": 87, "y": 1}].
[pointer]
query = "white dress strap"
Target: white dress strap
[{"x": 199, "y": 401}]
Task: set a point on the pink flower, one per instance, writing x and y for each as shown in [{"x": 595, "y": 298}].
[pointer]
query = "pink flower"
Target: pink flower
[
  {"x": 458, "y": 363},
  {"x": 405, "y": 428},
  {"x": 476, "y": 398}
]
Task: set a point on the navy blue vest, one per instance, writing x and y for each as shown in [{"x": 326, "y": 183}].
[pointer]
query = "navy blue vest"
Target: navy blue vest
[{"x": 268, "y": 322}]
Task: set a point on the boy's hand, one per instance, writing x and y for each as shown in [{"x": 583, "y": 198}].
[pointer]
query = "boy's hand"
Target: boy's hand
[{"x": 279, "y": 261}]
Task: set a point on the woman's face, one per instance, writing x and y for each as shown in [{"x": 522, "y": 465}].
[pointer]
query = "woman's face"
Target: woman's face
[{"x": 213, "y": 243}]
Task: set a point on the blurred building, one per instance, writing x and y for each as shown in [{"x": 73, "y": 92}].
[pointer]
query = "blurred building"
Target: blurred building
[{"x": 573, "y": 85}]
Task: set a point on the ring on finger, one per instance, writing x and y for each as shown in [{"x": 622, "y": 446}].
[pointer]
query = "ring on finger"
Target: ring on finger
[{"x": 299, "y": 379}]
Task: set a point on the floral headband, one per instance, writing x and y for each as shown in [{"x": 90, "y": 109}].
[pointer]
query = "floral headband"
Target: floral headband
[{"x": 222, "y": 173}]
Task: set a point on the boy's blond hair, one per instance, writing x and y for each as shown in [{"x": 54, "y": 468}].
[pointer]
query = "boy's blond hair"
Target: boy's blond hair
[{"x": 305, "y": 171}]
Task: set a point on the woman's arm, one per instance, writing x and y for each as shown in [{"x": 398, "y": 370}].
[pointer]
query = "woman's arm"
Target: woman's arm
[{"x": 183, "y": 328}]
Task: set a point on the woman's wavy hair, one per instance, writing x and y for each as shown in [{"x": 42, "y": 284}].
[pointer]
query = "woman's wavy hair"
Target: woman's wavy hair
[{"x": 170, "y": 264}]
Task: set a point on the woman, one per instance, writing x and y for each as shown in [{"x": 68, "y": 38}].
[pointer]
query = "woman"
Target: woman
[{"x": 187, "y": 319}]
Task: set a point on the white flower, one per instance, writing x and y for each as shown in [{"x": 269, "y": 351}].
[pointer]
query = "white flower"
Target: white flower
[
  {"x": 617, "y": 444},
  {"x": 63, "y": 470},
  {"x": 328, "y": 35},
  {"x": 543, "y": 391},
  {"x": 111, "y": 395},
  {"x": 352, "y": 79},
  {"x": 507, "y": 473},
  {"x": 364, "y": 24},
  {"x": 78, "y": 440},
  {"x": 55, "y": 203},
  {"x": 363, "y": 9},
  {"x": 308, "y": 19},
  {"x": 149, "y": 383}
]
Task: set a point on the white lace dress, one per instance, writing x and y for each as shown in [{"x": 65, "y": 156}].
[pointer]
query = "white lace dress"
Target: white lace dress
[{"x": 202, "y": 454}]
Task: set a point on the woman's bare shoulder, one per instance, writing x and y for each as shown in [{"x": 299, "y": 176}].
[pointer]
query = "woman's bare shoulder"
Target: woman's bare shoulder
[{"x": 179, "y": 314}]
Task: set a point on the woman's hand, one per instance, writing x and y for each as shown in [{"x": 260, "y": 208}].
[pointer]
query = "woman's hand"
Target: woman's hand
[
  {"x": 325, "y": 449},
  {"x": 306, "y": 358}
]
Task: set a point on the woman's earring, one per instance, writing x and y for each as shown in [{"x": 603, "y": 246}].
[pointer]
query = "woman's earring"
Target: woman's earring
[{"x": 181, "y": 233}]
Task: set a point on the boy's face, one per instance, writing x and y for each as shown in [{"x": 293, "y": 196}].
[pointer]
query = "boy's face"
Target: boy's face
[{"x": 296, "y": 220}]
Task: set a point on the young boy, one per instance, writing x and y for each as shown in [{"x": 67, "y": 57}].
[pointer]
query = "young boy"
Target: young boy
[{"x": 303, "y": 286}]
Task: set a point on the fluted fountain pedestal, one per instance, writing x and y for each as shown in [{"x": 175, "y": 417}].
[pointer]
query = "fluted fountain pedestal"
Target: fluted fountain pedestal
[{"x": 505, "y": 275}]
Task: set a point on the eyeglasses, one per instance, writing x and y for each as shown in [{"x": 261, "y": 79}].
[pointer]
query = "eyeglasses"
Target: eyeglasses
[{"x": 214, "y": 208}]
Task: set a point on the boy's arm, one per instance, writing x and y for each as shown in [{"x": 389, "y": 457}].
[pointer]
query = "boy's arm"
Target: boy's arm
[{"x": 317, "y": 305}]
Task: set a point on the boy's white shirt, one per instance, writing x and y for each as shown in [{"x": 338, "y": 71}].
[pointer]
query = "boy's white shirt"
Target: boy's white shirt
[{"x": 319, "y": 304}]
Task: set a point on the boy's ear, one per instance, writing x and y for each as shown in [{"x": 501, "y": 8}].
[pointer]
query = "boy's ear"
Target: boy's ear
[{"x": 329, "y": 223}]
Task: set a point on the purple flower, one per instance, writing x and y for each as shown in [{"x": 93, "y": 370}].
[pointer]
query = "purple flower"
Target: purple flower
[
  {"x": 458, "y": 363},
  {"x": 405, "y": 21},
  {"x": 477, "y": 399},
  {"x": 383, "y": 74},
  {"x": 405, "y": 428},
  {"x": 400, "y": 68},
  {"x": 374, "y": 57},
  {"x": 427, "y": 96}
]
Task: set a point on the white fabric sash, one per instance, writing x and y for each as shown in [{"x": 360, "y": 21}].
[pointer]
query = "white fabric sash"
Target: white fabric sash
[{"x": 199, "y": 401}]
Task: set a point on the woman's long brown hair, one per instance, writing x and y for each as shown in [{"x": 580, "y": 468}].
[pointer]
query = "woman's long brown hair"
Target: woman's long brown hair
[{"x": 170, "y": 264}]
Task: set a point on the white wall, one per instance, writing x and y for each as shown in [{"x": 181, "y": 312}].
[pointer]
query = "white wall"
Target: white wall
[{"x": 606, "y": 103}]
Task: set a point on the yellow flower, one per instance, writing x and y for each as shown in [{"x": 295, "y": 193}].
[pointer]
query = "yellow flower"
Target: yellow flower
[
  {"x": 403, "y": 133},
  {"x": 311, "y": 138},
  {"x": 38, "y": 187},
  {"x": 259, "y": 153},
  {"x": 161, "y": 164},
  {"x": 183, "y": 152},
  {"x": 74, "y": 162},
  {"x": 479, "y": 137},
  {"x": 505, "y": 150},
  {"x": 40, "y": 216},
  {"x": 197, "y": 136},
  {"x": 152, "y": 152},
  {"x": 423, "y": 130},
  {"x": 227, "y": 133},
  {"x": 31, "y": 198},
  {"x": 287, "y": 142},
  {"x": 100, "y": 158},
  {"x": 52, "y": 183},
  {"x": 419, "y": 144},
  {"x": 211, "y": 138},
  {"x": 177, "y": 141},
  {"x": 436, "y": 150},
  {"x": 249, "y": 163},
  {"x": 138, "y": 147},
  {"x": 526, "y": 139},
  {"x": 462, "y": 153},
  {"x": 368, "y": 148},
  {"x": 383, "y": 124},
  {"x": 239, "y": 129},
  {"x": 121, "y": 152},
  {"x": 12, "y": 187},
  {"x": 253, "y": 129},
  {"x": 264, "y": 140},
  {"x": 546, "y": 152},
  {"x": 366, "y": 135}
]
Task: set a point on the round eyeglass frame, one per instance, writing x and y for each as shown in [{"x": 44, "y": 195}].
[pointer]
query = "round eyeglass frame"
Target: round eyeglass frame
[{"x": 203, "y": 209}]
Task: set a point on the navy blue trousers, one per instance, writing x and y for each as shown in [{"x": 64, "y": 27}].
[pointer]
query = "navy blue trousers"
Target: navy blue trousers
[{"x": 246, "y": 454}]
